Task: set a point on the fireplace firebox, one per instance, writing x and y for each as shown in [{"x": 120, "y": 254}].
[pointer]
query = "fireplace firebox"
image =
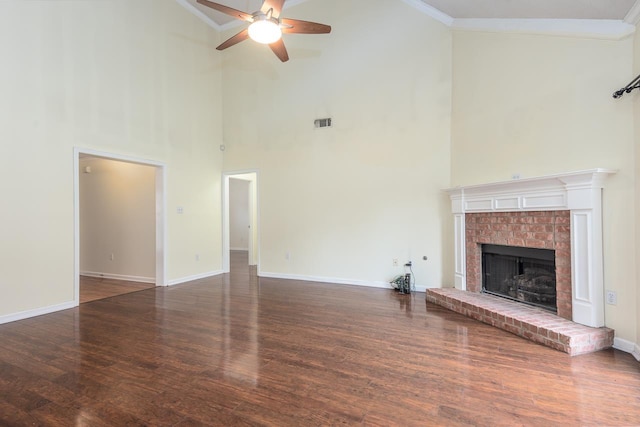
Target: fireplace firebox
[{"x": 522, "y": 274}]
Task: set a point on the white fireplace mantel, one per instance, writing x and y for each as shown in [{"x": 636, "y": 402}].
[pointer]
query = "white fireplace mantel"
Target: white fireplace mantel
[{"x": 580, "y": 193}]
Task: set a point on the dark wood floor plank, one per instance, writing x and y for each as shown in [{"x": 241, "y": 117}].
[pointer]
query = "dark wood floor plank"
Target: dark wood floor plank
[
  {"x": 239, "y": 350},
  {"x": 13, "y": 416},
  {"x": 97, "y": 288}
]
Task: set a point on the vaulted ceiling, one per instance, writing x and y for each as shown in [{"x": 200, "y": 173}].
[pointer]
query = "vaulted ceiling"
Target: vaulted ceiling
[{"x": 470, "y": 9}]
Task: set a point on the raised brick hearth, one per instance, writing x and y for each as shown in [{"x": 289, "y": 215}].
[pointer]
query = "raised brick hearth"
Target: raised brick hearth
[{"x": 525, "y": 321}]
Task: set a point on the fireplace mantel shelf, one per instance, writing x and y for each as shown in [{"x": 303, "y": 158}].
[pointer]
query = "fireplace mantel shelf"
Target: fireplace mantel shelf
[
  {"x": 580, "y": 193},
  {"x": 551, "y": 192}
]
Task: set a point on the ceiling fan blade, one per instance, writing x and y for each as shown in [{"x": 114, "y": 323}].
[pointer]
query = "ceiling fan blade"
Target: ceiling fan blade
[
  {"x": 280, "y": 51},
  {"x": 240, "y": 37},
  {"x": 295, "y": 26},
  {"x": 238, "y": 14},
  {"x": 276, "y": 5}
]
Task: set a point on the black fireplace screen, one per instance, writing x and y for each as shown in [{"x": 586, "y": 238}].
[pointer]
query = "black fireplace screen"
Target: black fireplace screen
[{"x": 523, "y": 274}]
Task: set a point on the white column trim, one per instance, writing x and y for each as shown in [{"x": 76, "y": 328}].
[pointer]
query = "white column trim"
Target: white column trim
[{"x": 460, "y": 260}]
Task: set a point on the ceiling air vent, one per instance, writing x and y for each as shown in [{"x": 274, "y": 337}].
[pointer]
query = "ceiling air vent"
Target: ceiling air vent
[{"x": 322, "y": 123}]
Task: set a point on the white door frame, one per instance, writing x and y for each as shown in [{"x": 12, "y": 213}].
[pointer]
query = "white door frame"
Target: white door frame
[
  {"x": 254, "y": 217},
  {"x": 161, "y": 197}
]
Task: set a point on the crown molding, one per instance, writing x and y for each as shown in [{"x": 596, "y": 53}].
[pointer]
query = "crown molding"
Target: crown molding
[
  {"x": 583, "y": 28},
  {"x": 633, "y": 16},
  {"x": 431, "y": 11},
  {"x": 197, "y": 12}
]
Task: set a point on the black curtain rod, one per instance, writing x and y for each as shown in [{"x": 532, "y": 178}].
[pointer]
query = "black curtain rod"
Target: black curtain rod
[{"x": 635, "y": 84}]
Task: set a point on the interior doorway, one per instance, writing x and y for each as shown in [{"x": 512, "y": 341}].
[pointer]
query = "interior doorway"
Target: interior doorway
[
  {"x": 239, "y": 218},
  {"x": 119, "y": 220},
  {"x": 237, "y": 185}
]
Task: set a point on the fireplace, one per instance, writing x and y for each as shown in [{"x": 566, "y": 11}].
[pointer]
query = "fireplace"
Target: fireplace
[
  {"x": 527, "y": 275},
  {"x": 560, "y": 212}
]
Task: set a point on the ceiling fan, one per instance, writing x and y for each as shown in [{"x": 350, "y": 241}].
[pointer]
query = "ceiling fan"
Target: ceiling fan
[{"x": 267, "y": 26}]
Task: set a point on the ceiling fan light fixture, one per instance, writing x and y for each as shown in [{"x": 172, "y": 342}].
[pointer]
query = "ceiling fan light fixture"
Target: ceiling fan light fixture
[
  {"x": 265, "y": 30},
  {"x": 266, "y": 26}
]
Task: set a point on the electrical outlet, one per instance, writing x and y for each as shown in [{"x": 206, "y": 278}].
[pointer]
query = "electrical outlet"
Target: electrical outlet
[
  {"x": 612, "y": 298},
  {"x": 287, "y": 256},
  {"x": 395, "y": 262},
  {"x": 197, "y": 257},
  {"x": 111, "y": 257}
]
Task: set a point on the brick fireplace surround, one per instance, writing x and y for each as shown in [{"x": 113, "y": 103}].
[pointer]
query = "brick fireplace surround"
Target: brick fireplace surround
[
  {"x": 559, "y": 212},
  {"x": 529, "y": 229}
]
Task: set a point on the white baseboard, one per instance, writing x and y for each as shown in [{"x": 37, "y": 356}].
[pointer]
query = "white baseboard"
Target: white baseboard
[
  {"x": 333, "y": 280},
  {"x": 182, "y": 280},
  {"x": 36, "y": 312},
  {"x": 140, "y": 279},
  {"x": 627, "y": 347}
]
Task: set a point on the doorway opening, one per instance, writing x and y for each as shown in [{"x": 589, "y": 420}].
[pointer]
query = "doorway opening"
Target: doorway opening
[
  {"x": 119, "y": 220},
  {"x": 240, "y": 218}
]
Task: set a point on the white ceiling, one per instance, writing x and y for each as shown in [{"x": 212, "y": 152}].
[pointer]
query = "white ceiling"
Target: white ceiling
[
  {"x": 533, "y": 9},
  {"x": 469, "y": 9}
]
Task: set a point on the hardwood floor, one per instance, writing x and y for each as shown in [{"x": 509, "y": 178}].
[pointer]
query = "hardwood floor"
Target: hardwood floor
[
  {"x": 95, "y": 288},
  {"x": 239, "y": 350}
]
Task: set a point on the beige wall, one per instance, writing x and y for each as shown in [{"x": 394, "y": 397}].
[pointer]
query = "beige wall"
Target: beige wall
[
  {"x": 239, "y": 214},
  {"x": 343, "y": 202},
  {"x": 137, "y": 78},
  {"x": 117, "y": 219},
  {"x": 537, "y": 105}
]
